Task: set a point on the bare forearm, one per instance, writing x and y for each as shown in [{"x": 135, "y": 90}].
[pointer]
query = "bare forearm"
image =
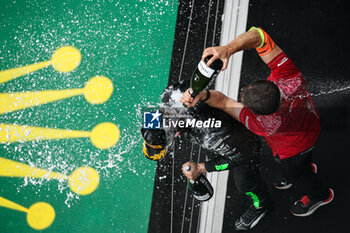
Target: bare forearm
[
  {"x": 246, "y": 40},
  {"x": 219, "y": 100},
  {"x": 222, "y": 102},
  {"x": 254, "y": 38},
  {"x": 216, "y": 99}
]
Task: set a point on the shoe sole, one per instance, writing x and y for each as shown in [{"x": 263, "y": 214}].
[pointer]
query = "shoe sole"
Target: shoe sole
[
  {"x": 254, "y": 223},
  {"x": 316, "y": 206},
  {"x": 314, "y": 170},
  {"x": 283, "y": 187},
  {"x": 257, "y": 220}
]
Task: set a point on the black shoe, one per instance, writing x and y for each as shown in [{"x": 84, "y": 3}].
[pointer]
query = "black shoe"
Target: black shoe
[
  {"x": 250, "y": 218},
  {"x": 281, "y": 183},
  {"x": 306, "y": 206}
]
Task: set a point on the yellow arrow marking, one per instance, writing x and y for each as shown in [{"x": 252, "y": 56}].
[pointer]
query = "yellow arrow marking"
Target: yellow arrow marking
[
  {"x": 82, "y": 181},
  {"x": 40, "y": 215},
  {"x": 96, "y": 91},
  {"x": 64, "y": 59},
  {"x": 102, "y": 136}
]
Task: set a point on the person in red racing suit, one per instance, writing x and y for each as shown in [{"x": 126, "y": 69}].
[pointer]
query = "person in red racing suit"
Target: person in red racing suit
[{"x": 281, "y": 110}]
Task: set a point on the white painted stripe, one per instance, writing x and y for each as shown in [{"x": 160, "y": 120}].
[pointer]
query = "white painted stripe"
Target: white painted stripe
[
  {"x": 172, "y": 189},
  {"x": 186, "y": 40},
  {"x": 234, "y": 23},
  {"x": 186, "y": 194}
]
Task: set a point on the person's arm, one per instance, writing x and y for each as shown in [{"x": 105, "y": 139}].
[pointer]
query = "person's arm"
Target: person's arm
[
  {"x": 254, "y": 38},
  {"x": 215, "y": 100},
  {"x": 217, "y": 164}
]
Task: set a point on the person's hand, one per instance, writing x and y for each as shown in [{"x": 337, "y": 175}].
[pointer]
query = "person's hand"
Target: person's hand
[
  {"x": 189, "y": 100},
  {"x": 196, "y": 170},
  {"x": 220, "y": 52}
]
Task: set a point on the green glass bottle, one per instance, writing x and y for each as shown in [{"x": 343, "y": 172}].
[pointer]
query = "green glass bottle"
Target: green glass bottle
[
  {"x": 203, "y": 74},
  {"x": 200, "y": 187}
]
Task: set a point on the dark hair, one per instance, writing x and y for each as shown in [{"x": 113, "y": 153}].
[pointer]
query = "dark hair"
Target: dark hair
[{"x": 262, "y": 97}]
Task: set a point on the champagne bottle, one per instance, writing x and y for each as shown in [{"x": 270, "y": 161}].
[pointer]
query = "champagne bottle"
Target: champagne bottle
[
  {"x": 200, "y": 187},
  {"x": 203, "y": 74}
]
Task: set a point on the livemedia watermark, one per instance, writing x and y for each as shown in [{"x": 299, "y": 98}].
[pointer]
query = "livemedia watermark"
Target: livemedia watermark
[{"x": 156, "y": 119}]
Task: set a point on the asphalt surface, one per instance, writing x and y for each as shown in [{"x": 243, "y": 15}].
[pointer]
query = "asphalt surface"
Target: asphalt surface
[{"x": 312, "y": 33}]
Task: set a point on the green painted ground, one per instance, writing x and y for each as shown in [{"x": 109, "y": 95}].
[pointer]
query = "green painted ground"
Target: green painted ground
[{"x": 129, "y": 42}]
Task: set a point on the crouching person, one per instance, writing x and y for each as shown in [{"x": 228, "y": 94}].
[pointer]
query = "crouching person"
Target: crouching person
[{"x": 233, "y": 148}]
